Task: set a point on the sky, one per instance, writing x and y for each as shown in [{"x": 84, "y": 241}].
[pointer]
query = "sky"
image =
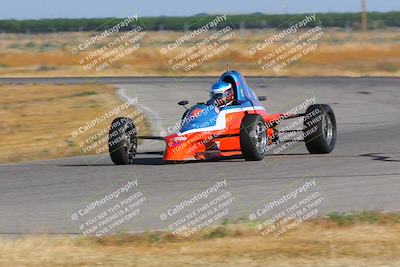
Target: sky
[{"x": 36, "y": 9}]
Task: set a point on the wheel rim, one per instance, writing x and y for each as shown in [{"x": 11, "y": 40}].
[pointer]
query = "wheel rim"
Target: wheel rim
[
  {"x": 261, "y": 137},
  {"x": 327, "y": 128}
]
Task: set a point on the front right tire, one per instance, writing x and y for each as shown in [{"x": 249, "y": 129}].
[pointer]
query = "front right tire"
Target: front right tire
[{"x": 320, "y": 129}]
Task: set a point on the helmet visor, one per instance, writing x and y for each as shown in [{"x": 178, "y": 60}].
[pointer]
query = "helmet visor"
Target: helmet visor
[{"x": 215, "y": 96}]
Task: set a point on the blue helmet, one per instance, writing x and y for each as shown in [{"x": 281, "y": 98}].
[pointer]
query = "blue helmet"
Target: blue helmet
[{"x": 222, "y": 93}]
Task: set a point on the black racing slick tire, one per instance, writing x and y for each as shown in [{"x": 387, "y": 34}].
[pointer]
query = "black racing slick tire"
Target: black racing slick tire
[
  {"x": 320, "y": 129},
  {"x": 253, "y": 137},
  {"x": 122, "y": 141}
]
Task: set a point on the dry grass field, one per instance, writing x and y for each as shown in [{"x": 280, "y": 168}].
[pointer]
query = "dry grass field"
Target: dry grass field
[
  {"x": 339, "y": 53},
  {"x": 37, "y": 120},
  {"x": 370, "y": 240}
]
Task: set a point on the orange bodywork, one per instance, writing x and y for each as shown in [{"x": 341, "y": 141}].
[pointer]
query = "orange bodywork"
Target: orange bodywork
[{"x": 224, "y": 142}]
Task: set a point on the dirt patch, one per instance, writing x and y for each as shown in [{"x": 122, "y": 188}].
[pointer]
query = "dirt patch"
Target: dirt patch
[
  {"x": 37, "y": 120},
  {"x": 360, "y": 241}
]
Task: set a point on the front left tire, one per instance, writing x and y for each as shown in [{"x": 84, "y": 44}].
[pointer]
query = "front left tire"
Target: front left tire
[
  {"x": 122, "y": 141},
  {"x": 253, "y": 137}
]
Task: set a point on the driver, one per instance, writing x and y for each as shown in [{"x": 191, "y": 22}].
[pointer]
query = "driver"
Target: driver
[{"x": 221, "y": 94}]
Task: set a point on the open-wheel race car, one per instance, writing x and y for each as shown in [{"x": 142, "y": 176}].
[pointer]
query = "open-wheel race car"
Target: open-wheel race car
[{"x": 231, "y": 123}]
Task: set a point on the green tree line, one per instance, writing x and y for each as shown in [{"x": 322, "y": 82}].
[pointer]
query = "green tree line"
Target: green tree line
[{"x": 250, "y": 21}]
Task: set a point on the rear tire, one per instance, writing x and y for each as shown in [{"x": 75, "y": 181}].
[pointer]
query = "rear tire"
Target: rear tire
[
  {"x": 253, "y": 137},
  {"x": 319, "y": 129},
  {"x": 122, "y": 141}
]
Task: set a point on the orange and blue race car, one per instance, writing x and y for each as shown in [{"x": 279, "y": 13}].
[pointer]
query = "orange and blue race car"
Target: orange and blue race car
[{"x": 232, "y": 123}]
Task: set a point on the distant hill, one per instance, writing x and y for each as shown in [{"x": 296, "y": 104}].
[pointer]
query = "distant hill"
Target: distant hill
[{"x": 249, "y": 21}]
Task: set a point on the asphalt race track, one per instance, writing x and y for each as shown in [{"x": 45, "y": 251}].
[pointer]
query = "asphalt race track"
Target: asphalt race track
[{"x": 362, "y": 173}]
